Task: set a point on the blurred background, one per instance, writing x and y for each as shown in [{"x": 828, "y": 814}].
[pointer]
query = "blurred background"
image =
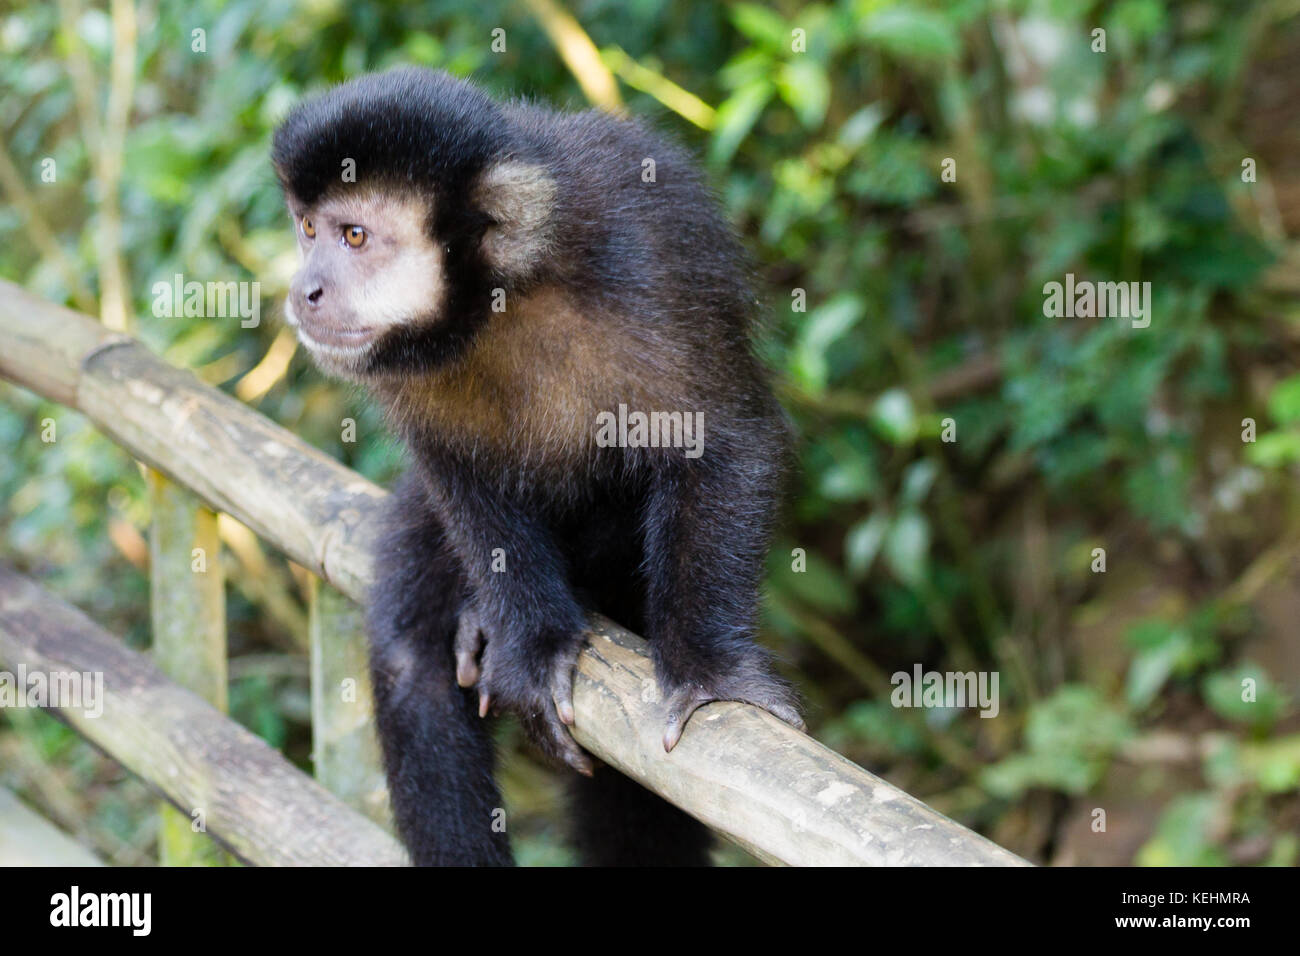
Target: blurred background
[{"x": 897, "y": 297}]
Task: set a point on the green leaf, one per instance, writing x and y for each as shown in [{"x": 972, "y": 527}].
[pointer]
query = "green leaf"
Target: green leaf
[
  {"x": 1147, "y": 673},
  {"x": 1184, "y": 835},
  {"x": 1274, "y": 449},
  {"x": 908, "y": 33},
  {"x": 824, "y": 325},
  {"x": 761, "y": 25},
  {"x": 736, "y": 117},
  {"x": 894, "y": 417},
  {"x": 1225, "y": 692},
  {"x": 821, "y": 585},
  {"x": 873, "y": 724},
  {"x": 1164, "y": 649},
  {"x": 1069, "y": 739},
  {"x": 907, "y": 546},
  {"x": 803, "y": 84},
  {"x": 851, "y": 479},
  {"x": 1275, "y": 764},
  {"x": 862, "y": 543},
  {"x": 1284, "y": 401},
  {"x": 164, "y": 160},
  {"x": 917, "y": 481}
]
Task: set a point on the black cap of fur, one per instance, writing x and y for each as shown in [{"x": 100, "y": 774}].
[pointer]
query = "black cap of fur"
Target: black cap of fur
[{"x": 407, "y": 127}]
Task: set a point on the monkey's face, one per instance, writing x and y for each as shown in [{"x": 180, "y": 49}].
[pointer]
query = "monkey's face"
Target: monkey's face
[
  {"x": 367, "y": 265},
  {"x": 455, "y": 214}
]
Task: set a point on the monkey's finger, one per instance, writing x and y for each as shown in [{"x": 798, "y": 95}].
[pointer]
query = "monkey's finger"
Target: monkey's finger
[
  {"x": 469, "y": 644},
  {"x": 572, "y": 754},
  {"x": 467, "y": 670},
  {"x": 554, "y": 738},
  {"x": 562, "y": 693}
]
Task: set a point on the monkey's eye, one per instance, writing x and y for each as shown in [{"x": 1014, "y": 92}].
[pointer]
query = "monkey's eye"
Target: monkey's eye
[
  {"x": 308, "y": 228},
  {"x": 355, "y": 236}
]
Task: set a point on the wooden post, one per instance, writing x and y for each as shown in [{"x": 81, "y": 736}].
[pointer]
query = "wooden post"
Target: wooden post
[
  {"x": 188, "y": 607},
  {"x": 345, "y": 750}
]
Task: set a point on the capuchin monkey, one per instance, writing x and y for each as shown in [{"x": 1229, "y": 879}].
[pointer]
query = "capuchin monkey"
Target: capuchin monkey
[{"x": 507, "y": 281}]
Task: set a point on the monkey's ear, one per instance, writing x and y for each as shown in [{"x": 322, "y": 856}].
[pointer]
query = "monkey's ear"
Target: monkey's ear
[{"x": 520, "y": 198}]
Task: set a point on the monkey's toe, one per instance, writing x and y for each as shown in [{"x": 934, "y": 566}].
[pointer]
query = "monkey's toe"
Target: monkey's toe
[{"x": 774, "y": 698}]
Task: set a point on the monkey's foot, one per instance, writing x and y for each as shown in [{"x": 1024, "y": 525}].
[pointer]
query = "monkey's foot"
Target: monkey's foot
[{"x": 764, "y": 691}]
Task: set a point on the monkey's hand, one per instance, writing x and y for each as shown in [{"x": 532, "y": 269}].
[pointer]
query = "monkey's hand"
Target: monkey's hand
[
  {"x": 750, "y": 681},
  {"x": 532, "y": 679}
]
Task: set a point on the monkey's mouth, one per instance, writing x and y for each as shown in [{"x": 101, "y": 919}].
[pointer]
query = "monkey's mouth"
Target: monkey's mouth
[{"x": 339, "y": 337}]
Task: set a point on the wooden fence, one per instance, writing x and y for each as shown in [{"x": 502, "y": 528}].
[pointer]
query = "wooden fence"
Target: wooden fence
[{"x": 753, "y": 779}]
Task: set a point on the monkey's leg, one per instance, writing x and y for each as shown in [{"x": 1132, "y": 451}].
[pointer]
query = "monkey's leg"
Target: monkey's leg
[
  {"x": 706, "y": 533},
  {"x": 617, "y": 822},
  {"x": 438, "y": 755}
]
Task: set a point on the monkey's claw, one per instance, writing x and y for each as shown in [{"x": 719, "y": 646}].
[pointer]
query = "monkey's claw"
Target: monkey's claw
[{"x": 772, "y": 697}]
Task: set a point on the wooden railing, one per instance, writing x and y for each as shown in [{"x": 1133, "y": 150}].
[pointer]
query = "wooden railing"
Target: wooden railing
[{"x": 753, "y": 779}]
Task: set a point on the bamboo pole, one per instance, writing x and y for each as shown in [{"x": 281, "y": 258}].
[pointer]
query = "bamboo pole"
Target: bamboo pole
[{"x": 754, "y": 779}]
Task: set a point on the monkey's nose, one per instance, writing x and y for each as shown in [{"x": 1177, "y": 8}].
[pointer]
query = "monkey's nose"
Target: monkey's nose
[{"x": 314, "y": 296}]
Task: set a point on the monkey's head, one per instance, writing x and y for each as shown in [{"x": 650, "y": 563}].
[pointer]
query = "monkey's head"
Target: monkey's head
[{"x": 412, "y": 199}]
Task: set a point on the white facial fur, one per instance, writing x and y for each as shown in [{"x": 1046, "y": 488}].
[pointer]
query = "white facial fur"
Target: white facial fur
[{"x": 394, "y": 278}]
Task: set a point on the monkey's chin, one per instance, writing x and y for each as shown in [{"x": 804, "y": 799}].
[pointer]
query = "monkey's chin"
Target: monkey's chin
[
  {"x": 341, "y": 358},
  {"x": 341, "y": 352}
]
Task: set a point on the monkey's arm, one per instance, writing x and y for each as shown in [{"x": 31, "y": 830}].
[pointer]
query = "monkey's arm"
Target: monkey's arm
[
  {"x": 521, "y": 603},
  {"x": 707, "y": 526}
]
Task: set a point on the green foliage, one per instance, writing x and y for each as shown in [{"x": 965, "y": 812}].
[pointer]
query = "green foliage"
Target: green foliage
[
  {"x": 1185, "y": 835},
  {"x": 1244, "y": 694},
  {"x": 1162, "y": 650},
  {"x": 1069, "y": 739}
]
